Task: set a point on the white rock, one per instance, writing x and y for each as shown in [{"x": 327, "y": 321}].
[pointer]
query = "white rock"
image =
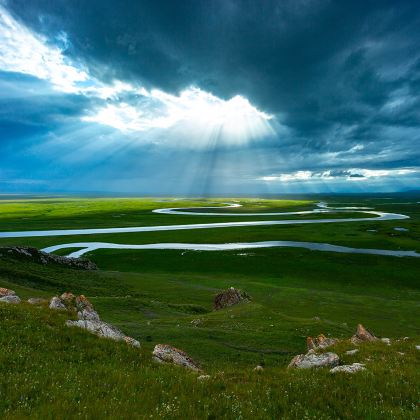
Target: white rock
[
  {"x": 10, "y": 299},
  {"x": 258, "y": 368},
  {"x": 57, "y": 304},
  {"x": 37, "y": 301},
  {"x": 387, "y": 341},
  {"x": 164, "y": 353},
  {"x": 355, "y": 367},
  {"x": 418, "y": 347},
  {"x": 102, "y": 329},
  {"x": 351, "y": 352},
  {"x": 313, "y": 360},
  {"x": 203, "y": 378},
  {"x": 88, "y": 315}
]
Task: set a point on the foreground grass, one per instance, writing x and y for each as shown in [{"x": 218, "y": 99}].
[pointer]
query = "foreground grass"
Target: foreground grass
[{"x": 50, "y": 371}]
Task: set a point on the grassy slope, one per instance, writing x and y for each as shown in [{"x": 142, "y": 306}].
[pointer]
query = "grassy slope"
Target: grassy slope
[
  {"x": 50, "y": 371},
  {"x": 154, "y": 296}
]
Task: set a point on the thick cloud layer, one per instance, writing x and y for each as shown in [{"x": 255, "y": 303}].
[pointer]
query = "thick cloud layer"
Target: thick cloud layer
[{"x": 331, "y": 88}]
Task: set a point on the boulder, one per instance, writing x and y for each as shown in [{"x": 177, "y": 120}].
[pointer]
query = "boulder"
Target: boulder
[
  {"x": 352, "y": 352},
  {"x": 355, "y": 367},
  {"x": 362, "y": 335},
  {"x": 57, "y": 304},
  {"x": 230, "y": 297},
  {"x": 85, "y": 309},
  {"x": 102, "y": 329},
  {"x": 314, "y": 360},
  {"x": 320, "y": 342},
  {"x": 6, "y": 292},
  {"x": 37, "y": 301},
  {"x": 164, "y": 353},
  {"x": 10, "y": 299}
]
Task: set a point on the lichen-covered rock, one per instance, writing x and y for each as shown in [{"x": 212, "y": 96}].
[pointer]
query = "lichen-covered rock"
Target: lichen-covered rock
[
  {"x": 67, "y": 298},
  {"x": 57, "y": 304},
  {"x": 353, "y": 368},
  {"x": 37, "y": 301},
  {"x": 320, "y": 342},
  {"x": 230, "y": 297},
  {"x": 41, "y": 257},
  {"x": 85, "y": 309},
  {"x": 165, "y": 353},
  {"x": 362, "y": 335},
  {"x": 6, "y": 292},
  {"x": 314, "y": 360},
  {"x": 10, "y": 299},
  {"x": 102, "y": 329}
]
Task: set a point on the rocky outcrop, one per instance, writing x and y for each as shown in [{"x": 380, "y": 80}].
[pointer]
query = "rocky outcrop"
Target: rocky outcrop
[
  {"x": 353, "y": 368},
  {"x": 10, "y": 299},
  {"x": 230, "y": 297},
  {"x": 102, "y": 329},
  {"x": 88, "y": 318},
  {"x": 8, "y": 296},
  {"x": 6, "y": 292},
  {"x": 57, "y": 304},
  {"x": 314, "y": 360},
  {"x": 164, "y": 353},
  {"x": 41, "y": 257},
  {"x": 362, "y": 335},
  {"x": 320, "y": 342}
]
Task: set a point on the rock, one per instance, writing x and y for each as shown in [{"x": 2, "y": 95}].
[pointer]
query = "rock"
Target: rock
[
  {"x": 196, "y": 322},
  {"x": 417, "y": 347},
  {"x": 37, "y": 301},
  {"x": 102, "y": 329},
  {"x": 258, "y": 368},
  {"x": 362, "y": 335},
  {"x": 10, "y": 299},
  {"x": 203, "y": 378},
  {"x": 41, "y": 257},
  {"x": 67, "y": 299},
  {"x": 85, "y": 309},
  {"x": 355, "y": 367},
  {"x": 230, "y": 297},
  {"x": 352, "y": 352},
  {"x": 6, "y": 292},
  {"x": 387, "y": 341},
  {"x": 165, "y": 353},
  {"x": 57, "y": 304},
  {"x": 314, "y": 360},
  {"x": 320, "y": 342}
]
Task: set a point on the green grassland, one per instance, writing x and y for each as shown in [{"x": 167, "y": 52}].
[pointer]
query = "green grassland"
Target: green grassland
[{"x": 154, "y": 295}]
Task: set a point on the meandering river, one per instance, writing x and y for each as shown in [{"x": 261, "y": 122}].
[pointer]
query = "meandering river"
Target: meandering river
[{"x": 321, "y": 208}]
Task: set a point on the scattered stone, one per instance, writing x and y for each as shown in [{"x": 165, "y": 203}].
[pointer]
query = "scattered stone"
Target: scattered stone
[
  {"x": 196, "y": 322},
  {"x": 362, "y": 335},
  {"x": 258, "y": 368},
  {"x": 10, "y": 299},
  {"x": 230, "y": 297},
  {"x": 164, "y": 353},
  {"x": 37, "y": 301},
  {"x": 401, "y": 353},
  {"x": 6, "y": 292},
  {"x": 353, "y": 368},
  {"x": 417, "y": 347},
  {"x": 42, "y": 257},
  {"x": 102, "y": 329},
  {"x": 387, "y": 341},
  {"x": 203, "y": 378},
  {"x": 352, "y": 352},
  {"x": 57, "y": 304},
  {"x": 313, "y": 360},
  {"x": 320, "y": 342},
  {"x": 316, "y": 318}
]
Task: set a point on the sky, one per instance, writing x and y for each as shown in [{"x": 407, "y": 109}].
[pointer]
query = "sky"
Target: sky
[{"x": 207, "y": 97}]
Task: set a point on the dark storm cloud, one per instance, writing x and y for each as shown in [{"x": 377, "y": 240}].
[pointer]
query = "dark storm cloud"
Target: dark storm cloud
[{"x": 342, "y": 77}]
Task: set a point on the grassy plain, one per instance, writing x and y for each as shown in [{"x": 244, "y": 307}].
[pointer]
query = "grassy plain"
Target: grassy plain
[{"x": 154, "y": 296}]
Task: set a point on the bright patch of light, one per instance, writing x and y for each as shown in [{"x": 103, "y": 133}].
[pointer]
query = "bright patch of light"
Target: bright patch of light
[
  {"x": 349, "y": 174},
  {"x": 202, "y": 117},
  {"x": 25, "y": 52}
]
